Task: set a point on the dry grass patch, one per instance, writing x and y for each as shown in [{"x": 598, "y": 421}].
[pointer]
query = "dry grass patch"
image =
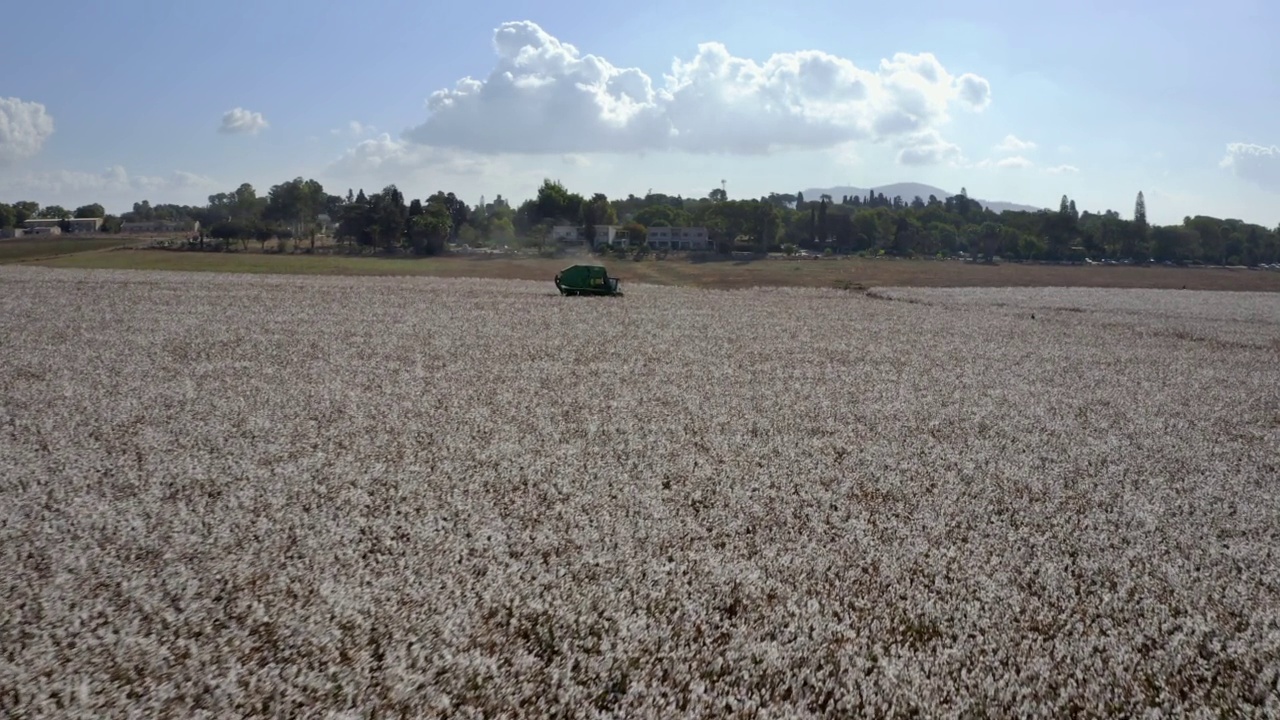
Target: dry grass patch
[
  {"x": 839, "y": 273},
  {"x": 25, "y": 249},
  {"x": 234, "y": 495}
]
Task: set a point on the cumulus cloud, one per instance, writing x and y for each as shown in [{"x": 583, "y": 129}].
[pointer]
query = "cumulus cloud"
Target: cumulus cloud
[
  {"x": 544, "y": 96},
  {"x": 1062, "y": 169},
  {"x": 383, "y": 154},
  {"x": 354, "y": 128},
  {"x": 24, "y": 128},
  {"x": 112, "y": 179},
  {"x": 112, "y": 186},
  {"x": 1014, "y": 144},
  {"x": 1259, "y": 164},
  {"x": 242, "y": 122},
  {"x": 928, "y": 148},
  {"x": 1016, "y": 162}
]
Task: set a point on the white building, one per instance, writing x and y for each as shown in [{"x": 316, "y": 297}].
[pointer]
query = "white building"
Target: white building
[
  {"x": 568, "y": 235},
  {"x": 74, "y": 225},
  {"x": 158, "y": 226},
  {"x": 679, "y": 238},
  {"x": 609, "y": 235}
]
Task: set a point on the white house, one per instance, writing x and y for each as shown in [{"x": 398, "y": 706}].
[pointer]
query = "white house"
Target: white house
[
  {"x": 568, "y": 235},
  {"x": 609, "y": 235},
  {"x": 679, "y": 238},
  {"x": 74, "y": 225}
]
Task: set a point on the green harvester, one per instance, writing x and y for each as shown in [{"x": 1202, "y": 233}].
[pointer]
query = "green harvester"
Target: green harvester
[{"x": 586, "y": 280}]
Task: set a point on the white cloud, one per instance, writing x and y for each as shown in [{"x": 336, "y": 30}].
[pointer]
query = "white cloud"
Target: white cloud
[
  {"x": 576, "y": 160},
  {"x": 419, "y": 170},
  {"x": 545, "y": 97},
  {"x": 1016, "y": 162},
  {"x": 384, "y": 157},
  {"x": 24, "y": 128},
  {"x": 112, "y": 187},
  {"x": 928, "y": 148},
  {"x": 846, "y": 154},
  {"x": 355, "y": 128},
  {"x": 1259, "y": 164},
  {"x": 242, "y": 122},
  {"x": 1062, "y": 169},
  {"x": 1014, "y": 144}
]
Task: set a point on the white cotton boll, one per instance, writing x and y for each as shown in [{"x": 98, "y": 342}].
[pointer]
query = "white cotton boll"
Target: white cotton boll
[{"x": 398, "y": 496}]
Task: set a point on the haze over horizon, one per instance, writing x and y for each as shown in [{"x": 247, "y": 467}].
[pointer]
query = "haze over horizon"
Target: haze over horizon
[{"x": 1015, "y": 103}]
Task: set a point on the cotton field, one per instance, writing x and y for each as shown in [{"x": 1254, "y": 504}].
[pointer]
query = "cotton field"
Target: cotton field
[{"x": 228, "y": 496}]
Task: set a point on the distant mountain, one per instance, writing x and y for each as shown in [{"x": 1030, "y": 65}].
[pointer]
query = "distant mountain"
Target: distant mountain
[{"x": 908, "y": 191}]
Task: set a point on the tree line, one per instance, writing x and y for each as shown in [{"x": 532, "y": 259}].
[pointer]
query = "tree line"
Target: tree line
[{"x": 386, "y": 221}]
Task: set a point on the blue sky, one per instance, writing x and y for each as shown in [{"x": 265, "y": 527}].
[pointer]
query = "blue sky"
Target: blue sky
[{"x": 1176, "y": 101}]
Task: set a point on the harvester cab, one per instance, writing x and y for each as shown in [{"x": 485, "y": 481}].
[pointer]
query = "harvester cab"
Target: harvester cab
[{"x": 586, "y": 280}]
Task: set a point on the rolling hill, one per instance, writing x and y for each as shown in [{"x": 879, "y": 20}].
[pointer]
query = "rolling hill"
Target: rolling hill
[{"x": 908, "y": 191}]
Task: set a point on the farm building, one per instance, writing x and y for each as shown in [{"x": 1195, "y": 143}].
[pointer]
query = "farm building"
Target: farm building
[
  {"x": 161, "y": 226},
  {"x": 660, "y": 238},
  {"x": 679, "y": 238},
  {"x": 74, "y": 225},
  {"x": 6, "y": 233},
  {"x": 577, "y": 235}
]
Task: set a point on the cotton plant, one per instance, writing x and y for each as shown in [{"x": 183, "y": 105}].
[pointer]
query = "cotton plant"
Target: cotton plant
[{"x": 271, "y": 495}]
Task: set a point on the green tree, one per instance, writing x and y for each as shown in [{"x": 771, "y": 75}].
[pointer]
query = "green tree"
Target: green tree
[
  {"x": 988, "y": 240},
  {"x": 388, "y": 215},
  {"x": 355, "y": 223},
  {"x": 457, "y": 209},
  {"x": 229, "y": 230},
  {"x": 248, "y": 207},
  {"x": 663, "y": 216},
  {"x": 24, "y": 210},
  {"x": 637, "y": 234},
  {"x": 296, "y": 205},
  {"x": 556, "y": 204},
  {"x": 1174, "y": 244},
  {"x": 1141, "y": 229},
  {"x": 906, "y": 233},
  {"x": 54, "y": 212},
  {"x": 501, "y": 229},
  {"x": 91, "y": 211},
  {"x": 429, "y": 231},
  {"x": 597, "y": 212}
]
